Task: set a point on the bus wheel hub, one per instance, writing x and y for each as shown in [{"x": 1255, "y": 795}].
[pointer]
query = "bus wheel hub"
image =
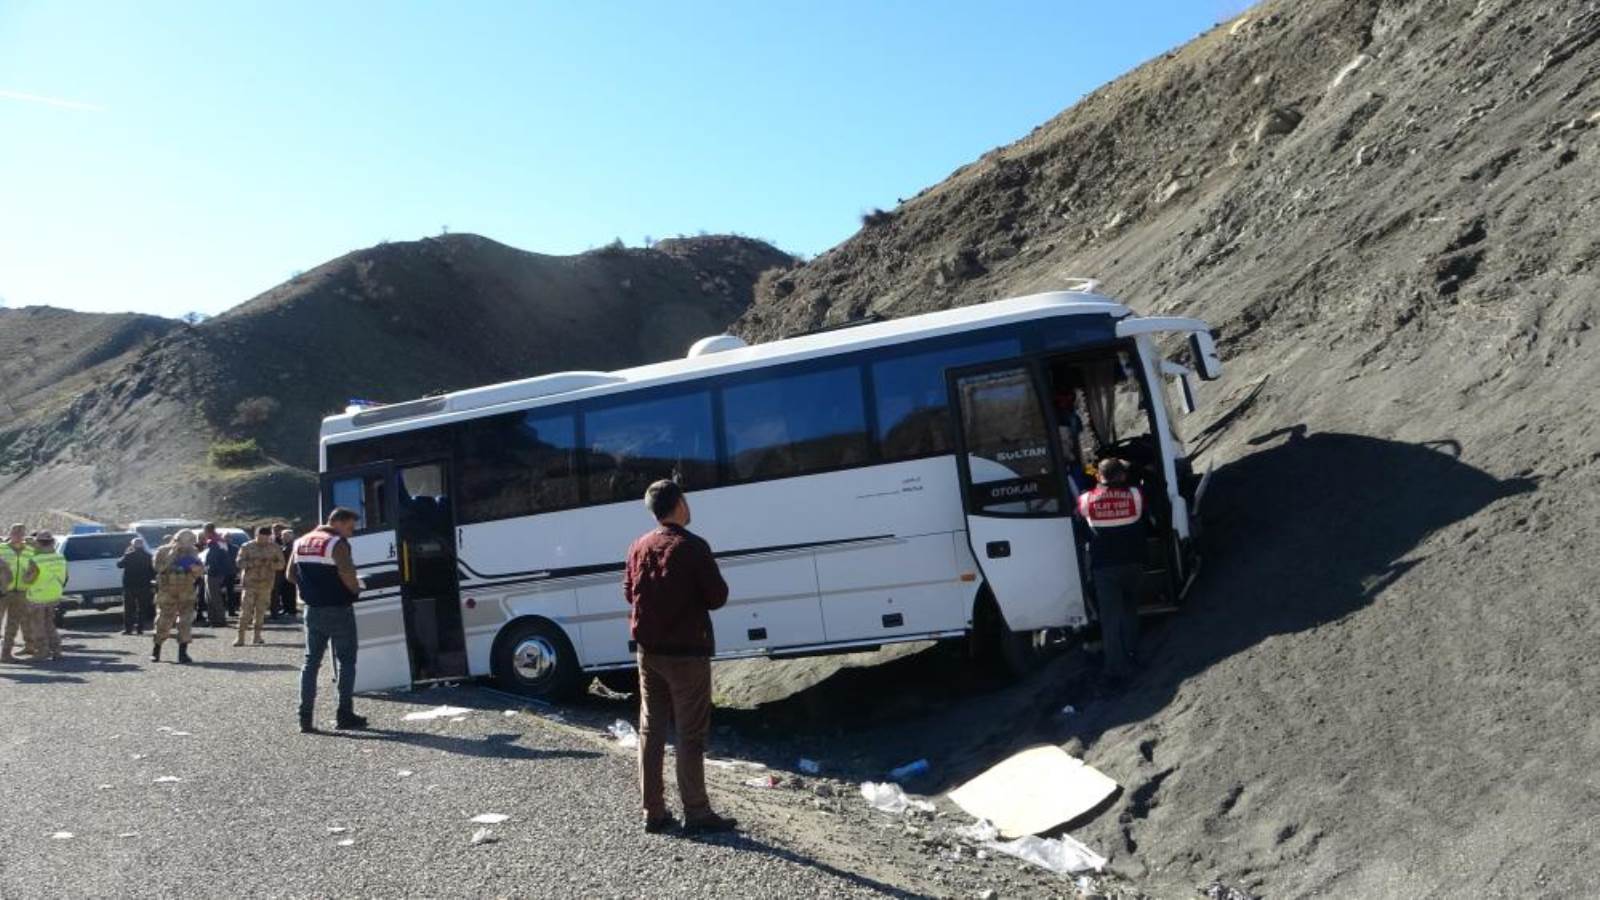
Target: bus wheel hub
[{"x": 535, "y": 659}]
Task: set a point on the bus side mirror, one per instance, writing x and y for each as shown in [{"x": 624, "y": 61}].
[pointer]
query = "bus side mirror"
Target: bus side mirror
[
  {"x": 1185, "y": 385},
  {"x": 1203, "y": 354}
]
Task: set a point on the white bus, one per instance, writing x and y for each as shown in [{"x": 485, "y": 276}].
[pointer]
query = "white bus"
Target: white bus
[{"x": 904, "y": 480}]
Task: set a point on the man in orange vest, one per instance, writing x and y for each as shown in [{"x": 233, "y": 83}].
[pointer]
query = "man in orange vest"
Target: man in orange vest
[{"x": 1115, "y": 513}]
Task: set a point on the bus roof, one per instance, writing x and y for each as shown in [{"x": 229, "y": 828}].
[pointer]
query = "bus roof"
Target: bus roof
[{"x": 565, "y": 386}]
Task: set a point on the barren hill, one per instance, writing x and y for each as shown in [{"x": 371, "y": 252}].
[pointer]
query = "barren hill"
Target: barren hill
[
  {"x": 131, "y": 436},
  {"x": 1384, "y": 685}
]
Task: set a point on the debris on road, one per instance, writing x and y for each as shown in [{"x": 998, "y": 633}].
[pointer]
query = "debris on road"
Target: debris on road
[
  {"x": 509, "y": 713},
  {"x": 484, "y": 836},
  {"x": 909, "y": 770},
  {"x": 438, "y": 712},
  {"x": 404, "y": 773},
  {"x": 1034, "y": 791},
  {"x": 348, "y": 842},
  {"x": 1064, "y": 855},
  {"x": 889, "y": 798},
  {"x": 979, "y": 832},
  {"x": 490, "y": 818},
  {"x": 337, "y": 829},
  {"x": 62, "y": 836},
  {"x": 128, "y": 834},
  {"x": 734, "y": 764},
  {"x": 626, "y": 737},
  {"x": 167, "y": 779},
  {"x": 763, "y": 781}
]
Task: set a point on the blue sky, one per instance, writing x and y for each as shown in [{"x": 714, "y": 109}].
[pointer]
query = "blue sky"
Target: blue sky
[{"x": 165, "y": 157}]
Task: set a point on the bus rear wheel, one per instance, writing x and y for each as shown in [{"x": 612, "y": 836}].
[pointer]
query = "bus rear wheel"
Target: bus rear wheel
[{"x": 535, "y": 659}]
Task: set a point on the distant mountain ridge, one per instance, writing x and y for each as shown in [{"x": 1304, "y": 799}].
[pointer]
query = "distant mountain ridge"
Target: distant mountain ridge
[{"x": 142, "y": 400}]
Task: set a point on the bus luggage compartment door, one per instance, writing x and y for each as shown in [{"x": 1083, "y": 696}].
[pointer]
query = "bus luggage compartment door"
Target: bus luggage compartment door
[
  {"x": 1019, "y": 522},
  {"x": 380, "y": 621}
]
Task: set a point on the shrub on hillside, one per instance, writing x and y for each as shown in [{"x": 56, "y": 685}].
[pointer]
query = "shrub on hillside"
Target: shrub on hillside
[
  {"x": 235, "y": 454},
  {"x": 254, "y": 411}
]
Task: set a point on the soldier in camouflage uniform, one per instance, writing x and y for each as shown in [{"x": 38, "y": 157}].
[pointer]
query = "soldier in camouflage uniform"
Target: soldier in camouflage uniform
[
  {"x": 259, "y": 561},
  {"x": 177, "y": 563}
]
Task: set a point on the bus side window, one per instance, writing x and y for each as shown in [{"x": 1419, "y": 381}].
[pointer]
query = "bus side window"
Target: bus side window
[
  {"x": 912, "y": 399},
  {"x": 518, "y": 464},
  {"x": 633, "y": 445},
  {"x": 364, "y": 494},
  {"x": 795, "y": 424}
]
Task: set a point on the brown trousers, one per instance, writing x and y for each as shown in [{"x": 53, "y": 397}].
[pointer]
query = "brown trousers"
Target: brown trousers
[
  {"x": 674, "y": 690},
  {"x": 46, "y": 638},
  {"x": 18, "y": 617}
]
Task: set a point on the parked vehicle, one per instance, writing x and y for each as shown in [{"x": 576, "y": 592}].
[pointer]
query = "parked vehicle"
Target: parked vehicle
[
  {"x": 893, "y": 481},
  {"x": 158, "y": 531},
  {"x": 93, "y": 579}
]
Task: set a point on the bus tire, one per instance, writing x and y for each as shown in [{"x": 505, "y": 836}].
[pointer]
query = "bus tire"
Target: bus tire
[
  {"x": 620, "y": 681},
  {"x": 1014, "y": 654},
  {"x": 1024, "y": 652},
  {"x": 534, "y": 658}
]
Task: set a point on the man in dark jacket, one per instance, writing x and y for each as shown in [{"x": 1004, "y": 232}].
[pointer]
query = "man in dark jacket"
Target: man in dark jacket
[
  {"x": 672, "y": 583},
  {"x": 219, "y": 575},
  {"x": 324, "y": 569},
  {"x": 138, "y": 587},
  {"x": 1116, "y": 515}
]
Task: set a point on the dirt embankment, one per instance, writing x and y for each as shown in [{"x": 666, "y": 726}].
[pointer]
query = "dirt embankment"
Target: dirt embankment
[
  {"x": 1390, "y": 212},
  {"x": 131, "y": 436}
]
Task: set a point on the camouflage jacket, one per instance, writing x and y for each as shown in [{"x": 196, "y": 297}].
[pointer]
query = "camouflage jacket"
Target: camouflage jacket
[
  {"x": 175, "y": 570},
  {"x": 259, "y": 563}
]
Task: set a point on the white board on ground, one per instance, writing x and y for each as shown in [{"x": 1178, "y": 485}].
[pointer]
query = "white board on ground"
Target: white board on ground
[{"x": 1034, "y": 791}]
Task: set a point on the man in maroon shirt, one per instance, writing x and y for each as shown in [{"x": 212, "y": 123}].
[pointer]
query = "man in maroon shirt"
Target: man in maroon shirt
[{"x": 672, "y": 584}]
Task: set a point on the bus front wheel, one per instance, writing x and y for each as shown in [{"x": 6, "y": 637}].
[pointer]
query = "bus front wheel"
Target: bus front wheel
[{"x": 535, "y": 659}]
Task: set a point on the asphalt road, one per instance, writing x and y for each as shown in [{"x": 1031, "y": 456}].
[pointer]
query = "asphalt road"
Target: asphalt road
[{"x": 85, "y": 743}]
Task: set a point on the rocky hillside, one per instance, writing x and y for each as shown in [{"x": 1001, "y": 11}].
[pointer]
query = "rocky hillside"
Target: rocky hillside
[
  {"x": 1391, "y": 210},
  {"x": 131, "y": 435}
]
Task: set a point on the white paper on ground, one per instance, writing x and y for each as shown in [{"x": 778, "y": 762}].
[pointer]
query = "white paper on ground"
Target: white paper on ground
[
  {"x": 438, "y": 712},
  {"x": 1063, "y": 856},
  {"x": 62, "y": 836},
  {"x": 490, "y": 818},
  {"x": 626, "y": 737},
  {"x": 348, "y": 842},
  {"x": 483, "y": 836},
  {"x": 1034, "y": 791},
  {"x": 167, "y": 779},
  {"x": 889, "y": 798}
]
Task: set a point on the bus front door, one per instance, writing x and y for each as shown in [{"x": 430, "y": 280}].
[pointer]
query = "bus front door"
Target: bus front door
[
  {"x": 1019, "y": 521},
  {"x": 429, "y": 584},
  {"x": 380, "y": 623}
]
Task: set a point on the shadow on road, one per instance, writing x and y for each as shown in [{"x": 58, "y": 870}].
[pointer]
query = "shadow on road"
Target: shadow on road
[
  {"x": 1300, "y": 533},
  {"x": 748, "y": 843},
  {"x": 490, "y": 746}
]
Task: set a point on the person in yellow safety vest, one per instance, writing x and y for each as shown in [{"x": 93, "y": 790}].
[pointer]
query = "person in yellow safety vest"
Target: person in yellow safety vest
[
  {"x": 15, "y": 555},
  {"x": 47, "y": 581}
]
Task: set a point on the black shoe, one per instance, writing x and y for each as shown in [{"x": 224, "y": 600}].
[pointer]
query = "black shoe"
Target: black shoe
[
  {"x": 183, "y": 655},
  {"x": 306, "y": 725},
  {"x": 349, "y": 721},
  {"x": 155, "y": 653},
  {"x": 712, "y": 824},
  {"x": 657, "y": 826}
]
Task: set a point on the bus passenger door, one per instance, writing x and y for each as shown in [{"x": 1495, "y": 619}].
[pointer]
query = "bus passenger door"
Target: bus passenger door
[
  {"x": 1019, "y": 520},
  {"x": 429, "y": 584},
  {"x": 380, "y": 621}
]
